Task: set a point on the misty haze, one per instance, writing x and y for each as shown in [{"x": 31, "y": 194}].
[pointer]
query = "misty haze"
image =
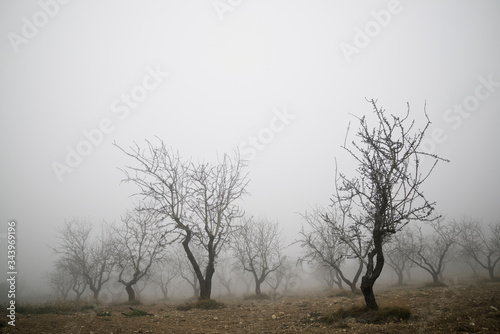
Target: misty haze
[{"x": 250, "y": 167}]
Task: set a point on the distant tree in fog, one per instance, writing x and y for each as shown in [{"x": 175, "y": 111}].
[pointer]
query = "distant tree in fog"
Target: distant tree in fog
[
  {"x": 431, "y": 251},
  {"x": 137, "y": 244},
  {"x": 397, "y": 257},
  {"x": 91, "y": 258},
  {"x": 59, "y": 279},
  {"x": 258, "y": 247},
  {"x": 197, "y": 200},
  {"x": 480, "y": 246},
  {"x": 163, "y": 273},
  {"x": 386, "y": 193},
  {"x": 225, "y": 268},
  {"x": 325, "y": 244}
]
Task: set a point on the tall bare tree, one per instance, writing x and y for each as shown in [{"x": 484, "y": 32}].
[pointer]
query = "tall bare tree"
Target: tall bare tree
[
  {"x": 138, "y": 244},
  {"x": 431, "y": 251},
  {"x": 92, "y": 258},
  {"x": 480, "y": 246},
  {"x": 258, "y": 248},
  {"x": 386, "y": 193},
  {"x": 198, "y": 200}
]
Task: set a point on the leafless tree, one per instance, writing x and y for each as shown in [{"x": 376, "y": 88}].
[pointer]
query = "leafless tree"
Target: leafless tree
[
  {"x": 198, "y": 200},
  {"x": 397, "y": 257},
  {"x": 138, "y": 244},
  {"x": 92, "y": 258},
  {"x": 59, "y": 279},
  {"x": 431, "y": 251},
  {"x": 258, "y": 248},
  {"x": 331, "y": 277},
  {"x": 164, "y": 272},
  {"x": 386, "y": 193},
  {"x": 289, "y": 273},
  {"x": 481, "y": 247},
  {"x": 224, "y": 273},
  {"x": 325, "y": 244}
]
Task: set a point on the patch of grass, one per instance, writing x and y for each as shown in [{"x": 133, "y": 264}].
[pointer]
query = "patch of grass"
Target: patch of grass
[
  {"x": 262, "y": 296},
  {"x": 52, "y": 308},
  {"x": 363, "y": 315},
  {"x": 103, "y": 314},
  {"x": 205, "y": 304},
  {"x": 438, "y": 284},
  {"x": 137, "y": 313},
  {"x": 346, "y": 293}
]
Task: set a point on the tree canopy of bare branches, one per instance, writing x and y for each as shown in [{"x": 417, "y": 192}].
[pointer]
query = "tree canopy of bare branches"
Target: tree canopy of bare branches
[
  {"x": 386, "y": 193},
  {"x": 258, "y": 248},
  {"x": 138, "y": 244},
  {"x": 433, "y": 250},
  {"x": 90, "y": 258},
  {"x": 199, "y": 201},
  {"x": 397, "y": 255},
  {"x": 480, "y": 246},
  {"x": 326, "y": 245}
]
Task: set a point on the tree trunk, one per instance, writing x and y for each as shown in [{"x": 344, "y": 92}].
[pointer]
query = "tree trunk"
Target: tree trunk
[
  {"x": 257, "y": 287},
  {"x": 491, "y": 273},
  {"x": 435, "y": 277},
  {"x": 131, "y": 292},
  {"x": 372, "y": 273},
  {"x": 164, "y": 289},
  {"x": 367, "y": 289},
  {"x": 400, "y": 277}
]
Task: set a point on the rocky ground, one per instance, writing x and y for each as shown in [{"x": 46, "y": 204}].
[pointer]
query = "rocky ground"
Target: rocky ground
[{"x": 473, "y": 308}]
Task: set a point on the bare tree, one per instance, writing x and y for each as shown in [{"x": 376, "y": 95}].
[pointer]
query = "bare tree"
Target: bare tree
[
  {"x": 199, "y": 200},
  {"x": 258, "y": 248},
  {"x": 331, "y": 277},
  {"x": 289, "y": 273},
  {"x": 164, "y": 272},
  {"x": 137, "y": 245},
  {"x": 433, "y": 250},
  {"x": 397, "y": 257},
  {"x": 59, "y": 279},
  {"x": 91, "y": 258},
  {"x": 481, "y": 247},
  {"x": 325, "y": 244},
  {"x": 224, "y": 273},
  {"x": 386, "y": 194}
]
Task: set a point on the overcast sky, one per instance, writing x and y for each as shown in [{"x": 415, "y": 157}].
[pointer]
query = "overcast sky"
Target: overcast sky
[{"x": 208, "y": 76}]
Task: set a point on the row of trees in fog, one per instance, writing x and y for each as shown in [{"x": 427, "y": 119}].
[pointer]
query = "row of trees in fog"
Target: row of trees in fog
[
  {"x": 428, "y": 246},
  {"x": 376, "y": 217},
  {"x": 140, "y": 258},
  {"x": 141, "y": 250}
]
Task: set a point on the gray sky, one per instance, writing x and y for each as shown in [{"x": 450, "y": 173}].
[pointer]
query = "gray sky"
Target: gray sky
[{"x": 208, "y": 76}]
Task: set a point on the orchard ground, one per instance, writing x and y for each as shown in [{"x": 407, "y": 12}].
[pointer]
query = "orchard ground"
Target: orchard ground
[{"x": 472, "y": 307}]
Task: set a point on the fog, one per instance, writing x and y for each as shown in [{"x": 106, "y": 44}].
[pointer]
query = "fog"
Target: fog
[{"x": 279, "y": 80}]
